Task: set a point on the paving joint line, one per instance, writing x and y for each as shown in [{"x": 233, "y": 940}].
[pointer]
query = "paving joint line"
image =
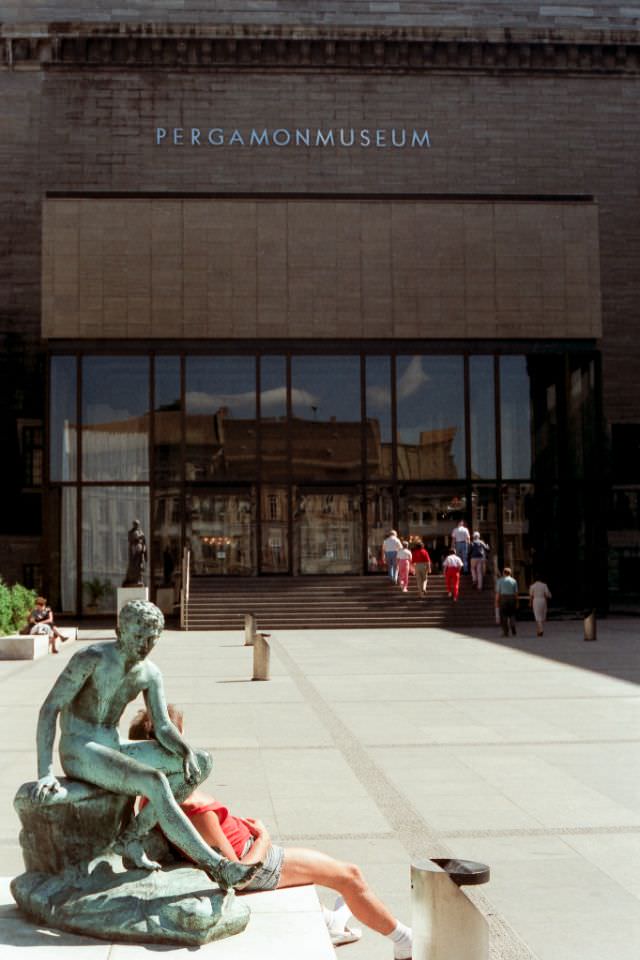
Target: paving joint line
[{"x": 410, "y": 827}]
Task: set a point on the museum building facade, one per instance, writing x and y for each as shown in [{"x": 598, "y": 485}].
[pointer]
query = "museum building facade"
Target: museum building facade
[{"x": 274, "y": 289}]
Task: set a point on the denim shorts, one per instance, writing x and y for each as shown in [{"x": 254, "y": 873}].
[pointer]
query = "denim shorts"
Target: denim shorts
[{"x": 267, "y": 876}]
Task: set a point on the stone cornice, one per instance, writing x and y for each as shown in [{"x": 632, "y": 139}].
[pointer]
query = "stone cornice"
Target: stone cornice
[{"x": 335, "y": 49}]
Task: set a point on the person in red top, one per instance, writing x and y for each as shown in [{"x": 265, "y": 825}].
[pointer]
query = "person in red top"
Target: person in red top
[
  {"x": 452, "y": 567},
  {"x": 421, "y": 566},
  {"x": 247, "y": 839}
]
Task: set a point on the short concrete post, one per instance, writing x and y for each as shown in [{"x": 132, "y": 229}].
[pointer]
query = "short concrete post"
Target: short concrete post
[
  {"x": 446, "y": 924},
  {"x": 249, "y": 629},
  {"x": 261, "y": 656},
  {"x": 590, "y": 628}
]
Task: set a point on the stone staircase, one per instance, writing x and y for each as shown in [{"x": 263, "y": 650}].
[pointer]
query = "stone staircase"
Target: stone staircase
[{"x": 286, "y": 603}]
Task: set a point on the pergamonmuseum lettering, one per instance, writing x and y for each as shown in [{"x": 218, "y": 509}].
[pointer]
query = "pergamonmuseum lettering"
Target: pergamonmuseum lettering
[{"x": 377, "y": 137}]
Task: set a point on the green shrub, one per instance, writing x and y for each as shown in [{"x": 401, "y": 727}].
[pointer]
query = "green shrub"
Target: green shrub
[
  {"x": 6, "y": 611},
  {"x": 23, "y": 601},
  {"x": 16, "y": 603}
]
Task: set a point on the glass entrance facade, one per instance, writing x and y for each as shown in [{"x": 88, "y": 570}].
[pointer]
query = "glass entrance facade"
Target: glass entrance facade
[{"x": 298, "y": 463}]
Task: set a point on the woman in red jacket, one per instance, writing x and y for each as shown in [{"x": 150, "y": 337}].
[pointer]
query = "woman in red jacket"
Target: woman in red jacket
[{"x": 421, "y": 566}]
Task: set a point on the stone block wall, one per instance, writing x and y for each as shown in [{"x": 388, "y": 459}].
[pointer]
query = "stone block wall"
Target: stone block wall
[
  {"x": 91, "y": 131},
  {"x": 326, "y": 268}
]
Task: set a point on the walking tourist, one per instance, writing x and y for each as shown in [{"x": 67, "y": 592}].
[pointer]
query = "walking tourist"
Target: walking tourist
[
  {"x": 452, "y": 567},
  {"x": 460, "y": 542},
  {"x": 478, "y": 557},
  {"x": 507, "y": 601},
  {"x": 390, "y": 546},
  {"x": 539, "y": 594},
  {"x": 403, "y": 560},
  {"x": 421, "y": 566},
  {"x": 247, "y": 840}
]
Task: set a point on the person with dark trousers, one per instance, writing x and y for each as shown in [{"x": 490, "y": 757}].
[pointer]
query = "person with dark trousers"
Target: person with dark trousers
[{"x": 507, "y": 601}]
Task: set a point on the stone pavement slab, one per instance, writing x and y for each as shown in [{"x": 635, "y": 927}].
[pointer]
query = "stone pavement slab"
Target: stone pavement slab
[{"x": 385, "y": 746}]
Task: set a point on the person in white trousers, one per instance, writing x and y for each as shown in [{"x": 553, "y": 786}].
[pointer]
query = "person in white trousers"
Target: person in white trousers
[{"x": 539, "y": 594}]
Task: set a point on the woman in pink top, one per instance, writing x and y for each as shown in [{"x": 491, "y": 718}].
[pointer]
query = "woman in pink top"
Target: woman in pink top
[
  {"x": 248, "y": 840},
  {"x": 403, "y": 561}
]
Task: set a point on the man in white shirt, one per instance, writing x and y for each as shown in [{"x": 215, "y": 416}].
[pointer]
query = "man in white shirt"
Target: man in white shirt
[
  {"x": 460, "y": 540},
  {"x": 390, "y": 546}
]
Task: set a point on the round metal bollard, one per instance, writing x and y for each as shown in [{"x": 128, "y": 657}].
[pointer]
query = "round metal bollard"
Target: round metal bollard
[
  {"x": 249, "y": 629},
  {"x": 446, "y": 924},
  {"x": 590, "y": 628},
  {"x": 261, "y": 656}
]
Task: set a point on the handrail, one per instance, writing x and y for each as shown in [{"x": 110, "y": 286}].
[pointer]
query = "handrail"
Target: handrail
[{"x": 184, "y": 588}]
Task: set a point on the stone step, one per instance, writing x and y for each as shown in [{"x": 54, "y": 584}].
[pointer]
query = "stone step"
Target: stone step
[{"x": 325, "y": 602}]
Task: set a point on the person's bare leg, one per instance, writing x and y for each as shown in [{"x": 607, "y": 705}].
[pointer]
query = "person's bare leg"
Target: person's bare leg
[{"x": 303, "y": 866}]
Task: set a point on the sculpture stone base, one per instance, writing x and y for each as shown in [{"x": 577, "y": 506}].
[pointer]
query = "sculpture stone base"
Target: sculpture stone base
[
  {"x": 176, "y": 905},
  {"x": 74, "y": 881},
  {"x": 124, "y": 594}
]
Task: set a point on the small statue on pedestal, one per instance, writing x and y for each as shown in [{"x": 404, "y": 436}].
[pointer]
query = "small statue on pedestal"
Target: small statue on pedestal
[{"x": 137, "y": 556}]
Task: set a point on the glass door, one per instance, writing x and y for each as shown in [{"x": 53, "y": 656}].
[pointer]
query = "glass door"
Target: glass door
[
  {"x": 430, "y": 515},
  {"x": 221, "y": 531},
  {"x": 274, "y": 529},
  {"x": 327, "y": 528}
]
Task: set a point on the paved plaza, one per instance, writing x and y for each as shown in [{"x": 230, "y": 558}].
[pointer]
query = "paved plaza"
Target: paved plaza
[{"x": 391, "y": 745}]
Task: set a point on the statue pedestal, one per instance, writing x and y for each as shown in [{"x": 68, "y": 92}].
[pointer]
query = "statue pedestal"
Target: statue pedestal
[
  {"x": 165, "y": 599},
  {"x": 124, "y": 594}
]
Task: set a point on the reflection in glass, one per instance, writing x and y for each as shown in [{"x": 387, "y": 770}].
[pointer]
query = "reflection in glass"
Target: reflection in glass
[
  {"x": 167, "y": 420},
  {"x": 482, "y": 417},
  {"x": 107, "y": 514},
  {"x": 484, "y": 510},
  {"x": 221, "y": 418},
  {"x": 115, "y": 418},
  {"x": 379, "y": 437},
  {"x": 379, "y": 523},
  {"x": 274, "y": 512},
  {"x": 167, "y": 537},
  {"x": 221, "y": 532},
  {"x": 430, "y": 412},
  {"x": 273, "y": 417},
  {"x": 515, "y": 417},
  {"x": 517, "y": 508},
  {"x": 326, "y": 420},
  {"x": 62, "y": 554},
  {"x": 582, "y": 430},
  {"x": 63, "y": 419},
  {"x": 327, "y": 532},
  {"x": 430, "y": 516},
  {"x": 547, "y": 390}
]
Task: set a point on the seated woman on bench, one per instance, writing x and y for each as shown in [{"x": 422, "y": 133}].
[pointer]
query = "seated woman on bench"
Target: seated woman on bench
[{"x": 247, "y": 840}]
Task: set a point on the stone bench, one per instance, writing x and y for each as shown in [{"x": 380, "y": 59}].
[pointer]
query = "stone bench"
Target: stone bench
[
  {"x": 284, "y": 925},
  {"x": 17, "y": 646}
]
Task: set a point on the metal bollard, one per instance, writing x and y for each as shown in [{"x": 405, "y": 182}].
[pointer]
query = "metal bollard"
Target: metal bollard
[
  {"x": 590, "y": 628},
  {"x": 446, "y": 924},
  {"x": 249, "y": 629},
  {"x": 261, "y": 656}
]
